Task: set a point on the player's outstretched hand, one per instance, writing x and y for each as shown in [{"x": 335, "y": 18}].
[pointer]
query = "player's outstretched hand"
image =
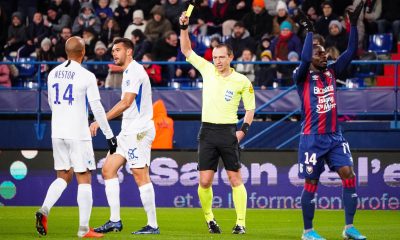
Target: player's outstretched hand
[
  {"x": 112, "y": 144},
  {"x": 305, "y": 22},
  {"x": 355, "y": 14},
  {"x": 184, "y": 21},
  {"x": 93, "y": 128}
]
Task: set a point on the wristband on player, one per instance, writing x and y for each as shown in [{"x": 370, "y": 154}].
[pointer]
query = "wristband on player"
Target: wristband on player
[
  {"x": 245, "y": 128},
  {"x": 183, "y": 27}
]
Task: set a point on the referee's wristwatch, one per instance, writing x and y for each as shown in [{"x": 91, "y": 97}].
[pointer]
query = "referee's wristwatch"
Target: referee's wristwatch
[{"x": 245, "y": 128}]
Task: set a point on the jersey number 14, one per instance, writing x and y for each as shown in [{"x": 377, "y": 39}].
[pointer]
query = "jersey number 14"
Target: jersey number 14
[{"x": 67, "y": 94}]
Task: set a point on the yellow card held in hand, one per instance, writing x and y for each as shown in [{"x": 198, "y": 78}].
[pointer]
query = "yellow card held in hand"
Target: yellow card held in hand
[{"x": 189, "y": 10}]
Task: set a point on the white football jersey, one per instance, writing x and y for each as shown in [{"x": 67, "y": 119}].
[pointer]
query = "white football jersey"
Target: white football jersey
[
  {"x": 138, "y": 117},
  {"x": 70, "y": 88}
]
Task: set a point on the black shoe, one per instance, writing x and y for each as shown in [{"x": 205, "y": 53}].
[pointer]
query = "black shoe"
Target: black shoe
[
  {"x": 109, "y": 227},
  {"x": 239, "y": 229},
  {"x": 213, "y": 227}
]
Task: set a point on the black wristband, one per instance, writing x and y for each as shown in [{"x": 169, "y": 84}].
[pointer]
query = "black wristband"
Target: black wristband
[
  {"x": 245, "y": 128},
  {"x": 183, "y": 27}
]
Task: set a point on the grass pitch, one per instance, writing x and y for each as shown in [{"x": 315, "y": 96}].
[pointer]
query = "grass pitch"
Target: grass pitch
[{"x": 178, "y": 223}]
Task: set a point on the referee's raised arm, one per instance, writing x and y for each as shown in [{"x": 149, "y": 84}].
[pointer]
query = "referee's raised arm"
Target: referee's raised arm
[{"x": 185, "y": 40}]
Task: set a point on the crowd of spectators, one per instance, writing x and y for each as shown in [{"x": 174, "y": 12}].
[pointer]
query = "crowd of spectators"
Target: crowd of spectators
[{"x": 257, "y": 30}]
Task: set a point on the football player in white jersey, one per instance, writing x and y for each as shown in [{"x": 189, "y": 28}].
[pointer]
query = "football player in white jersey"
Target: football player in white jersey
[
  {"x": 134, "y": 141},
  {"x": 70, "y": 87}
]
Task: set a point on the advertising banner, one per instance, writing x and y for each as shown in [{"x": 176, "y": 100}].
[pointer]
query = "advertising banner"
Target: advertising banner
[{"x": 270, "y": 178}]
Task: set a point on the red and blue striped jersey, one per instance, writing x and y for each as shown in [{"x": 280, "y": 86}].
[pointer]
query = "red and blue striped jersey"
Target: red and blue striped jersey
[{"x": 317, "y": 90}]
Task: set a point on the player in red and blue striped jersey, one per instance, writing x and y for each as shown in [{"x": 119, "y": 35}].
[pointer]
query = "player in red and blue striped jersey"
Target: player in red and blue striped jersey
[{"x": 321, "y": 140}]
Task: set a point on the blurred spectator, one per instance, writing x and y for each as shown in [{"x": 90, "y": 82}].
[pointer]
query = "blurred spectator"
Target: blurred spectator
[
  {"x": 293, "y": 7},
  {"x": 56, "y": 20},
  {"x": 270, "y": 5},
  {"x": 390, "y": 20},
  {"x": 63, "y": 6},
  {"x": 173, "y": 10},
  {"x": 372, "y": 13},
  {"x": 27, "y": 10},
  {"x": 318, "y": 40},
  {"x": 114, "y": 77},
  {"x": 314, "y": 4},
  {"x": 246, "y": 69},
  {"x": 16, "y": 33},
  {"x": 322, "y": 25},
  {"x": 86, "y": 19},
  {"x": 339, "y": 6},
  {"x": 337, "y": 37},
  {"x": 258, "y": 22},
  {"x": 90, "y": 38},
  {"x": 282, "y": 15},
  {"x": 123, "y": 14},
  {"x": 45, "y": 53},
  {"x": 59, "y": 44},
  {"x": 215, "y": 41},
  {"x": 238, "y": 8},
  {"x": 5, "y": 75},
  {"x": 146, "y": 6},
  {"x": 142, "y": 44},
  {"x": 264, "y": 44},
  {"x": 100, "y": 70},
  {"x": 266, "y": 73},
  {"x": 164, "y": 127},
  {"x": 153, "y": 70},
  {"x": 36, "y": 33},
  {"x": 285, "y": 72},
  {"x": 286, "y": 42},
  {"x": 220, "y": 14},
  {"x": 200, "y": 19},
  {"x": 103, "y": 11},
  {"x": 158, "y": 25},
  {"x": 166, "y": 49},
  {"x": 3, "y": 30},
  {"x": 236, "y": 11},
  {"x": 109, "y": 31},
  {"x": 332, "y": 53},
  {"x": 138, "y": 23},
  {"x": 240, "y": 40}
]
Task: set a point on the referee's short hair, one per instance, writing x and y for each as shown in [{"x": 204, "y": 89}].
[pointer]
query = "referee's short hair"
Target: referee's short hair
[
  {"x": 227, "y": 46},
  {"x": 128, "y": 44}
]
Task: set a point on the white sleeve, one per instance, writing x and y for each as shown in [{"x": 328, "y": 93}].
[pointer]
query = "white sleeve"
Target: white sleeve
[
  {"x": 49, "y": 98},
  {"x": 133, "y": 81},
  {"x": 100, "y": 115},
  {"x": 92, "y": 90}
]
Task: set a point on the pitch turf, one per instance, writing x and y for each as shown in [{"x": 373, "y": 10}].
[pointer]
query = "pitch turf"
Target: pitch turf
[{"x": 178, "y": 223}]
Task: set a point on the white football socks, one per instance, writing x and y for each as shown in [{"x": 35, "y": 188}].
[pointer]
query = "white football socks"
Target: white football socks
[
  {"x": 148, "y": 200},
  {"x": 112, "y": 193},
  {"x": 85, "y": 202},
  {"x": 54, "y": 192}
]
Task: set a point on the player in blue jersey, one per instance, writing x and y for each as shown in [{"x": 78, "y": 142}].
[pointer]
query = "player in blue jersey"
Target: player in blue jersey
[{"x": 321, "y": 140}]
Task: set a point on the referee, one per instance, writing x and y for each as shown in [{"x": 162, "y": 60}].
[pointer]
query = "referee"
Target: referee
[{"x": 222, "y": 90}]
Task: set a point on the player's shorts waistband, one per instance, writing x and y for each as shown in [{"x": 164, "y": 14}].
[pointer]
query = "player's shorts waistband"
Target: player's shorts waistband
[{"x": 217, "y": 125}]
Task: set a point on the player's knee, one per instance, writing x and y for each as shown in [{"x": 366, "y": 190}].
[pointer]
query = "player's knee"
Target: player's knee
[
  {"x": 107, "y": 173},
  {"x": 205, "y": 183}
]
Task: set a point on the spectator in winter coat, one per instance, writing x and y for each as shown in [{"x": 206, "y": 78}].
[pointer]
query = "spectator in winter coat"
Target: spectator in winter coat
[
  {"x": 158, "y": 25},
  {"x": 86, "y": 19},
  {"x": 137, "y": 23}
]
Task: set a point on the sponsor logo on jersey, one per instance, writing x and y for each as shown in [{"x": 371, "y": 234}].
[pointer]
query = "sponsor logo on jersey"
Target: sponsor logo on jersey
[
  {"x": 127, "y": 82},
  {"x": 228, "y": 95}
]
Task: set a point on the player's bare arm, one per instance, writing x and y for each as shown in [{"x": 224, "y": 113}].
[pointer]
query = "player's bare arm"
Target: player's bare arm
[
  {"x": 185, "y": 40},
  {"x": 248, "y": 118},
  {"x": 116, "y": 111}
]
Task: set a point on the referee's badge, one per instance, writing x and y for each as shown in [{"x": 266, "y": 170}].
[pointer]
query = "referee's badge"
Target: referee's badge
[{"x": 228, "y": 95}]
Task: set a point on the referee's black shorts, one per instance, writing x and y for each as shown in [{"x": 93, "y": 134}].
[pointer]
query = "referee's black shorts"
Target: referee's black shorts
[{"x": 218, "y": 140}]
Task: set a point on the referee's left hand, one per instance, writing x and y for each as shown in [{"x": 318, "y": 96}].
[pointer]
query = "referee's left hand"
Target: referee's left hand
[{"x": 239, "y": 135}]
